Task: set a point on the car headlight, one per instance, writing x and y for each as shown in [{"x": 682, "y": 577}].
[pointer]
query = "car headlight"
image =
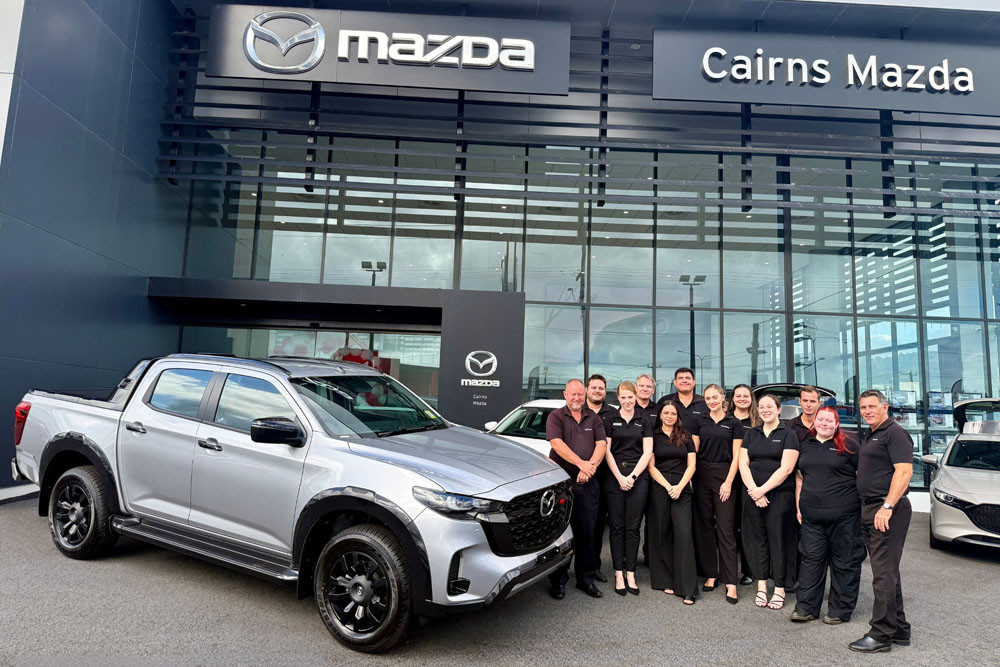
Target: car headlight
[
  {"x": 454, "y": 505},
  {"x": 951, "y": 500}
]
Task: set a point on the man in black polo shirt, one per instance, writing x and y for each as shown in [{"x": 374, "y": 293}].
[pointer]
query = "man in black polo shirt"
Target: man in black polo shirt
[
  {"x": 885, "y": 465},
  {"x": 597, "y": 389},
  {"x": 691, "y": 406},
  {"x": 809, "y": 402},
  {"x": 645, "y": 385},
  {"x": 576, "y": 435}
]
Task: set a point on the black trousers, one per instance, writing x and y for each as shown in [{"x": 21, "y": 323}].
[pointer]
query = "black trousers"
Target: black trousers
[
  {"x": 769, "y": 538},
  {"x": 714, "y": 529},
  {"x": 832, "y": 542},
  {"x": 884, "y": 552},
  {"x": 585, "y": 501},
  {"x": 625, "y": 510},
  {"x": 740, "y": 497},
  {"x": 671, "y": 541},
  {"x": 602, "y": 516}
]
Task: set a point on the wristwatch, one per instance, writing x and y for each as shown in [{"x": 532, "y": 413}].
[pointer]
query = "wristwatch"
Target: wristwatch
[
  {"x": 886, "y": 506},
  {"x": 633, "y": 477}
]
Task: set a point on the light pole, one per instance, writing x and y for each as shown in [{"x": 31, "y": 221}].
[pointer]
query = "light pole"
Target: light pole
[
  {"x": 803, "y": 365},
  {"x": 701, "y": 362},
  {"x": 691, "y": 282},
  {"x": 374, "y": 267}
]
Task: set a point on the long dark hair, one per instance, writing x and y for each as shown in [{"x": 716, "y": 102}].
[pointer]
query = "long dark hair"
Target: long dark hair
[
  {"x": 678, "y": 434},
  {"x": 839, "y": 439},
  {"x": 754, "y": 417}
]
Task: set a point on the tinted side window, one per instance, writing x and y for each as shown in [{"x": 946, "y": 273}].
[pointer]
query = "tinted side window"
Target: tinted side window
[
  {"x": 246, "y": 398},
  {"x": 180, "y": 390}
]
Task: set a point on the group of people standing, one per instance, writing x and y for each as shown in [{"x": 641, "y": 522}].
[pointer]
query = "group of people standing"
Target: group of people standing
[{"x": 726, "y": 484}]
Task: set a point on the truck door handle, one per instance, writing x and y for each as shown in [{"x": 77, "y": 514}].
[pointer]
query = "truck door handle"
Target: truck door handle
[
  {"x": 210, "y": 443},
  {"x": 135, "y": 427}
]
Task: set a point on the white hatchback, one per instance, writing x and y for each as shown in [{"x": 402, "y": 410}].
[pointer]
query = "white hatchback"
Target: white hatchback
[
  {"x": 965, "y": 489},
  {"x": 525, "y": 424}
]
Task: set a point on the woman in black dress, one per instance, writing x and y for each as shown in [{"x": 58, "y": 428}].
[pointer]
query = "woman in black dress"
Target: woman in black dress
[
  {"x": 769, "y": 525},
  {"x": 829, "y": 510},
  {"x": 671, "y": 556},
  {"x": 720, "y": 436},
  {"x": 626, "y": 484}
]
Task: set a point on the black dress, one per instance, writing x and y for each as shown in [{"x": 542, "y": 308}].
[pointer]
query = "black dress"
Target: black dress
[{"x": 671, "y": 542}]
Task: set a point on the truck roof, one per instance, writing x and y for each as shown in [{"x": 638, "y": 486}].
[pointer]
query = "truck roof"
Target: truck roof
[{"x": 290, "y": 366}]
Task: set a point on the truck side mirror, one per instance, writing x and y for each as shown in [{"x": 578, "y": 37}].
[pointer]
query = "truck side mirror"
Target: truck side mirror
[{"x": 276, "y": 430}]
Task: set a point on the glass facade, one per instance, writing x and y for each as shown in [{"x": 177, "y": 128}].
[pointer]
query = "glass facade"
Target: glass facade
[{"x": 755, "y": 244}]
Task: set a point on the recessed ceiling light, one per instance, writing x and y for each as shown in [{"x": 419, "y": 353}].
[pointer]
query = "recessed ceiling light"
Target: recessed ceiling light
[
  {"x": 380, "y": 201},
  {"x": 636, "y": 47},
  {"x": 748, "y": 217},
  {"x": 503, "y": 206},
  {"x": 253, "y": 194}
]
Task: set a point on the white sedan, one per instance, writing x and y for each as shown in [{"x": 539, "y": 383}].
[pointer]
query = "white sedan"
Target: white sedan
[
  {"x": 525, "y": 424},
  {"x": 965, "y": 490}
]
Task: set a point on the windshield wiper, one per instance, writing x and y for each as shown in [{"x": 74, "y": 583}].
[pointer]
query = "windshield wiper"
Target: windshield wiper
[{"x": 409, "y": 429}]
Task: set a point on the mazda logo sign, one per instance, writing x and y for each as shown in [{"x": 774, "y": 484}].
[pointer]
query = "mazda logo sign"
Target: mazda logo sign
[
  {"x": 548, "y": 503},
  {"x": 313, "y": 33},
  {"x": 481, "y": 363}
]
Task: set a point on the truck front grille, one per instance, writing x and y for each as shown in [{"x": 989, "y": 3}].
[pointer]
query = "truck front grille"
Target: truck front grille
[
  {"x": 986, "y": 517},
  {"x": 525, "y": 525}
]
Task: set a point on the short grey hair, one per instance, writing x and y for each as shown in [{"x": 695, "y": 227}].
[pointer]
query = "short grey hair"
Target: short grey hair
[
  {"x": 869, "y": 393},
  {"x": 649, "y": 377}
]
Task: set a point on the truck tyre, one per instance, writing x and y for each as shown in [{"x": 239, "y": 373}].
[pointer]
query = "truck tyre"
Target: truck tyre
[
  {"x": 79, "y": 516},
  {"x": 362, "y": 589}
]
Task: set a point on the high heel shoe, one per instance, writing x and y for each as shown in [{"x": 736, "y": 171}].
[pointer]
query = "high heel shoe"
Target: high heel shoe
[
  {"x": 630, "y": 589},
  {"x": 621, "y": 591}
]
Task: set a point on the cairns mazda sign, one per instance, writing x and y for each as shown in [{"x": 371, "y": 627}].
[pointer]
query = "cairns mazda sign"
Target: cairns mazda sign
[
  {"x": 389, "y": 49},
  {"x": 819, "y": 70}
]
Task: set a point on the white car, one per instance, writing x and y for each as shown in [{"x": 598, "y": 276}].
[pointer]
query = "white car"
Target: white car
[
  {"x": 525, "y": 424},
  {"x": 965, "y": 489}
]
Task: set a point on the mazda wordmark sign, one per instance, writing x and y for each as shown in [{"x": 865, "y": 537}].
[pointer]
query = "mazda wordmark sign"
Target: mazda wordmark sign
[{"x": 461, "y": 53}]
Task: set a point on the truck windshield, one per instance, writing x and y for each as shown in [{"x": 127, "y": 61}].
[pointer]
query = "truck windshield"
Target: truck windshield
[{"x": 365, "y": 405}]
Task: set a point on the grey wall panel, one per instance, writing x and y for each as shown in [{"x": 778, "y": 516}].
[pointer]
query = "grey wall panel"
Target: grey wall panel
[
  {"x": 63, "y": 178},
  {"x": 75, "y": 60},
  {"x": 152, "y": 44},
  {"x": 122, "y": 16},
  {"x": 150, "y": 224},
  {"x": 53, "y": 294},
  {"x": 142, "y": 123},
  {"x": 131, "y": 326}
]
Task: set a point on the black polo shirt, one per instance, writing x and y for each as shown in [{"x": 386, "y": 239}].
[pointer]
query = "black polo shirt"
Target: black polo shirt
[
  {"x": 747, "y": 423},
  {"x": 626, "y": 436},
  {"x": 880, "y": 450},
  {"x": 606, "y": 410},
  {"x": 801, "y": 430},
  {"x": 649, "y": 412},
  {"x": 671, "y": 459},
  {"x": 690, "y": 415},
  {"x": 716, "y": 438},
  {"x": 829, "y": 479},
  {"x": 765, "y": 453},
  {"x": 580, "y": 437}
]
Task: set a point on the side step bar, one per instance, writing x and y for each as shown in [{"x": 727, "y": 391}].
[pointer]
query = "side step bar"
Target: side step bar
[{"x": 231, "y": 555}]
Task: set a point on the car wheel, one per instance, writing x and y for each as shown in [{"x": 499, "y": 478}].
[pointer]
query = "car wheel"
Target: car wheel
[
  {"x": 79, "y": 515},
  {"x": 362, "y": 589}
]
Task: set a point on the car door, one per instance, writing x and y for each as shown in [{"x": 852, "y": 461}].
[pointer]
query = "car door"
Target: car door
[
  {"x": 156, "y": 440},
  {"x": 239, "y": 488}
]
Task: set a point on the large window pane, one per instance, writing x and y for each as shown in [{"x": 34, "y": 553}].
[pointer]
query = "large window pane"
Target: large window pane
[
  {"x": 621, "y": 343},
  {"x": 621, "y": 241},
  {"x": 492, "y": 244},
  {"x": 754, "y": 348},
  {"x": 824, "y": 354},
  {"x": 821, "y": 262},
  {"x": 556, "y": 252},
  {"x": 553, "y": 349},
  {"x": 752, "y": 259},
  {"x": 673, "y": 347}
]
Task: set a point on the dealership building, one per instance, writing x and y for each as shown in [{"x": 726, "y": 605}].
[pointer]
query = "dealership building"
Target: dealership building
[{"x": 487, "y": 198}]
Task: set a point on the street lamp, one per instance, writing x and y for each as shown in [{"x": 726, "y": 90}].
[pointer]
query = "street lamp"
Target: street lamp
[
  {"x": 691, "y": 282},
  {"x": 374, "y": 267},
  {"x": 701, "y": 362}
]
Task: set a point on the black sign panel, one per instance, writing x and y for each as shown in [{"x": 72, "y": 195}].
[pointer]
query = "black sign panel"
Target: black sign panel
[
  {"x": 482, "y": 351},
  {"x": 413, "y": 50},
  {"x": 831, "y": 71}
]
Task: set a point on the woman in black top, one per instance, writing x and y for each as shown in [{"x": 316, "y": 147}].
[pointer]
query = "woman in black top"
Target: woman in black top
[
  {"x": 744, "y": 407},
  {"x": 671, "y": 556},
  {"x": 626, "y": 484},
  {"x": 769, "y": 528},
  {"x": 829, "y": 509},
  {"x": 719, "y": 438}
]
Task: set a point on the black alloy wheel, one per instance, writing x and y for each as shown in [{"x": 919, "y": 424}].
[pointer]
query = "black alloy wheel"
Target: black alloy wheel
[
  {"x": 79, "y": 514},
  {"x": 362, "y": 588}
]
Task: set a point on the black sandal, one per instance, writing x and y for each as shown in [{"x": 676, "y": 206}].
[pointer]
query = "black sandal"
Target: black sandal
[
  {"x": 689, "y": 600},
  {"x": 780, "y": 603},
  {"x": 706, "y": 587},
  {"x": 761, "y": 599}
]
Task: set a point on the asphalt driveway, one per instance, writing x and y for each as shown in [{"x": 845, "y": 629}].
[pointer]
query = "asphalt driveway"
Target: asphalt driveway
[{"x": 149, "y": 606}]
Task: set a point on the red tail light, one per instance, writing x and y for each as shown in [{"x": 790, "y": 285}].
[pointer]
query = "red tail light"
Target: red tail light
[{"x": 20, "y": 417}]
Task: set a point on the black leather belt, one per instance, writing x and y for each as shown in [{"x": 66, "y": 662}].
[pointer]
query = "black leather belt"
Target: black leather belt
[{"x": 871, "y": 500}]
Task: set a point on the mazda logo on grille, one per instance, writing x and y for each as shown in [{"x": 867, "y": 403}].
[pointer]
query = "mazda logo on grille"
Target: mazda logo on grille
[
  {"x": 481, "y": 363},
  {"x": 548, "y": 503},
  {"x": 256, "y": 30}
]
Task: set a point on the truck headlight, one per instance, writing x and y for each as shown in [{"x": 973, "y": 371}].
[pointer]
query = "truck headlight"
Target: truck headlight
[
  {"x": 951, "y": 500},
  {"x": 453, "y": 504}
]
